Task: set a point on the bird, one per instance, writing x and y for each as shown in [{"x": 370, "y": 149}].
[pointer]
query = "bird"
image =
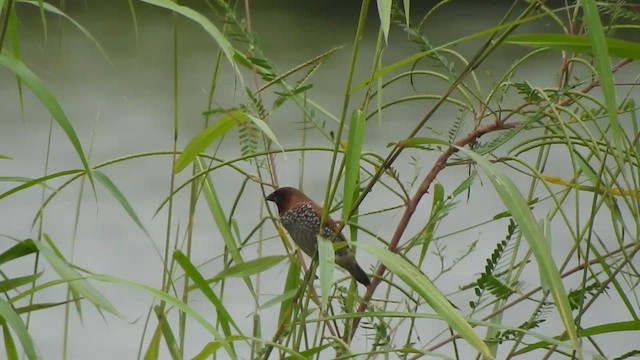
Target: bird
[{"x": 301, "y": 217}]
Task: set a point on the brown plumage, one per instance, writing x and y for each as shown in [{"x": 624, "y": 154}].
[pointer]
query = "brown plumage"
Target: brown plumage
[{"x": 301, "y": 217}]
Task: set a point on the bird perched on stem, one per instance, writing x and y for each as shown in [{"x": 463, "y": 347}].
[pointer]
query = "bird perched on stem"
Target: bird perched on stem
[{"x": 301, "y": 217}]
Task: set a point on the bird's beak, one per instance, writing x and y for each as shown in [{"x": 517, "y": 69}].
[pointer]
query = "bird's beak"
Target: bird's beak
[{"x": 272, "y": 197}]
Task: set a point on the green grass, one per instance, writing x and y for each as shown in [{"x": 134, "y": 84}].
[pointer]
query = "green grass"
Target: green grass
[{"x": 569, "y": 242}]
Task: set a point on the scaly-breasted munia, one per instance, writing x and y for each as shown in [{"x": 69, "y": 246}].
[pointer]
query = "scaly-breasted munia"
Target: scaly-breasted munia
[{"x": 301, "y": 217}]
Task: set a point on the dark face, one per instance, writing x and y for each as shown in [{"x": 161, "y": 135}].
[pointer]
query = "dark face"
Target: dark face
[
  {"x": 285, "y": 197},
  {"x": 275, "y": 196}
]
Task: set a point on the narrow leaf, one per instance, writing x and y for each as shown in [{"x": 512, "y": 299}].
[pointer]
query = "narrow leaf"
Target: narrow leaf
[
  {"x": 161, "y": 295},
  {"x": 428, "y": 291},
  {"x": 326, "y": 263},
  {"x": 384, "y": 12},
  {"x": 117, "y": 194},
  {"x": 352, "y": 161},
  {"x": 14, "y": 321},
  {"x": 208, "y": 26},
  {"x": 76, "y": 281},
  {"x": 249, "y": 268},
  {"x": 576, "y": 43},
  {"x": 169, "y": 338},
  {"x": 19, "y": 250},
  {"x": 46, "y": 98},
  {"x": 201, "y": 141},
  {"x": 223, "y": 315},
  {"x": 532, "y": 232}
]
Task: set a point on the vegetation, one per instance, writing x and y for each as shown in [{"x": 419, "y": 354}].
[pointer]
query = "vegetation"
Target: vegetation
[{"x": 577, "y": 231}]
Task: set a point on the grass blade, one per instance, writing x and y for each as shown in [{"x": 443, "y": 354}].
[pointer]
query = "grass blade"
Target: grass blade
[
  {"x": 173, "y": 302},
  {"x": 249, "y": 268},
  {"x": 352, "y": 161},
  {"x": 201, "y": 141},
  {"x": 14, "y": 321},
  {"x": 384, "y": 12},
  {"x": 430, "y": 293},
  {"x": 46, "y": 98},
  {"x": 326, "y": 263},
  {"x": 532, "y": 232},
  {"x": 19, "y": 250},
  {"x": 576, "y": 43},
  {"x": 76, "y": 281},
  {"x": 603, "y": 67},
  {"x": 169, "y": 338},
  {"x": 117, "y": 194},
  {"x": 208, "y": 26},
  {"x": 9, "y": 345},
  {"x": 190, "y": 270}
]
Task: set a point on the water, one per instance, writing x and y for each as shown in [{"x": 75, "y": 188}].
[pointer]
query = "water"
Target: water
[{"x": 124, "y": 105}]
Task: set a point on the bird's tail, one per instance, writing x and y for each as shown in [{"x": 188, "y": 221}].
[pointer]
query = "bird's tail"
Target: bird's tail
[{"x": 360, "y": 275}]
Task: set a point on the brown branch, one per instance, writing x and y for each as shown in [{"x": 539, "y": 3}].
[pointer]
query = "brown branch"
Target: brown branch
[
  {"x": 439, "y": 165},
  {"x": 433, "y": 173}
]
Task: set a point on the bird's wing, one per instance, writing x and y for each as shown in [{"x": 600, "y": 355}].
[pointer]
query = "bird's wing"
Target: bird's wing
[{"x": 328, "y": 222}]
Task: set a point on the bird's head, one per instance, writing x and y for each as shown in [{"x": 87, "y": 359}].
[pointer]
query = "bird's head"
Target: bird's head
[{"x": 287, "y": 198}]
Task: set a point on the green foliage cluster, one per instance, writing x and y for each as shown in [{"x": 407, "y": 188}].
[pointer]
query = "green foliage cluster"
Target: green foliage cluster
[{"x": 504, "y": 129}]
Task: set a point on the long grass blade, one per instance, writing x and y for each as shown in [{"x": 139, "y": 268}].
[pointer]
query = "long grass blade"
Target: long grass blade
[
  {"x": 161, "y": 295},
  {"x": 326, "y": 264},
  {"x": 576, "y": 43},
  {"x": 603, "y": 67},
  {"x": 226, "y": 47},
  {"x": 49, "y": 101},
  {"x": 549, "y": 274},
  {"x": 352, "y": 161},
  {"x": 13, "y": 320},
  {"x": 76, "y": 281},
  {"x": 430, "y": 293},
  {"x": 19, "y": 250}
]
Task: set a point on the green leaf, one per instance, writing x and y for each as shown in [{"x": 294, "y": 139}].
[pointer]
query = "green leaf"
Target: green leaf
[
  {"x": 221, "y": 221},
  {"x": 117, "y": 194},
  {"x": 75, "y": 280},
  {"x": 532, "y": 232},
  {"x": 384, "y": 12},
  {"x": 192, "y": 272},
  {"x": 19, "y": 250},
  {"x": 14, "y": 321},
  {"x": 154, "y": 345},
  {"x": 46, "y": 98},
  {"x": 210, "y": 348},
  {"x": 352, "y": 161},
  {"x": 417, "y": 141},
  {"x": 633, "y": 325},
  {"x": 248, "y": 268},
  {"x": 169, "y": 338},
  {"x": 287, "y": 295},
  {"x": 9, "y": 345},
  {"x": 603, "y": 67},
  {"x": 291, "y": 284},
  {"x": 208, "y": 26},
  {"x": 161, "y": 295},
  {"x": 10, "y": 284},
  {"x": 576, "y": 43},
  {"x": 37, "y": 181},
  {"x": 266, "y": 130},
  {"x": 54, "y": 10},
  {"x": 326, "y": 263},
  {"x": 423, "y": 286},
  {"x": 201, "y": 141},
  {"x": 407, "y": 9}
]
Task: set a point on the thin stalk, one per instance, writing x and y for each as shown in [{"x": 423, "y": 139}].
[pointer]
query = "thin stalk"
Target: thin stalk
[{"x": 345, "y": 107}]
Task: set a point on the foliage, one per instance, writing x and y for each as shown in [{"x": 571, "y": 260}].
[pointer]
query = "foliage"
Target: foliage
[{"x": 534, "y": 190}]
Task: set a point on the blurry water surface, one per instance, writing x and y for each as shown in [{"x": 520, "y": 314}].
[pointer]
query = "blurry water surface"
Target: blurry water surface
[{"x": 123, "y": 104}]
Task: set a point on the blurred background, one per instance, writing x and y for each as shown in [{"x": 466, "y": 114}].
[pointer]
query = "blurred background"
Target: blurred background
[{"x": 123, "y": 103}]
